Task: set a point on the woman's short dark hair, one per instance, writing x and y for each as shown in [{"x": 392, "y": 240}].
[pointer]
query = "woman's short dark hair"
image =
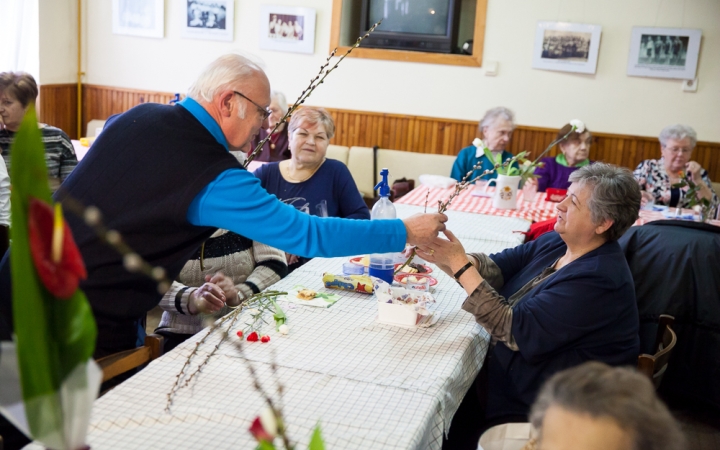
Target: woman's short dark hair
[
  {"x": 572, "y": 136},
  {"x": 20, "y": 85},
  {"x": 625, "y": 396},
  {"x": 615, "y": 196}
]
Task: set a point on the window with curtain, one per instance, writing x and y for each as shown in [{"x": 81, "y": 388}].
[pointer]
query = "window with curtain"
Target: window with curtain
[{"x": 19, "y": 35}]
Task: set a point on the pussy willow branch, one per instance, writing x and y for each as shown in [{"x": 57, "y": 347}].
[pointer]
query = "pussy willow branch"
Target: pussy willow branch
[
  {"x": 276, "y": 408},
  {"x": 459, "y": 187},
  {"x": 314, "y": 83},
  {"x": 260, "y": 300},
  {"x": 132, "y": 261}
]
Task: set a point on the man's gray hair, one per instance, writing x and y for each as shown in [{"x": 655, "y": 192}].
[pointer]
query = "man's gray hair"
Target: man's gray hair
[
  {"x": 494, "y": 114},
  {"x": 625, "y": 396},
  {"x": 615, "y": 196},
  {"x": 221, "y": 74},
  {"x": 280, "y": 98},
  {"x": 678, "y": 132}
]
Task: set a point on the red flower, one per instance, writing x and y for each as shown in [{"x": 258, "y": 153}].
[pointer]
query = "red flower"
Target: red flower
[
  {"x": 63, "y": 277},
  {"x": 265, "y": 339},
  {"x": 253, "y": 337},
  {"x": 240, "y": 334},
  {"x": 258, "y": 431}
]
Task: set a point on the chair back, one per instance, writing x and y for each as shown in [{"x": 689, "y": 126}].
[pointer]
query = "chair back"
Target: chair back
[
  {"x": 121, "y": 362},
  {"x": 654, "y": 366}
]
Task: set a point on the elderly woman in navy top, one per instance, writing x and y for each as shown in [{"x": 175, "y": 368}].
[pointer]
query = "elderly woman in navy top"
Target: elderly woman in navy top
[
  {"x": 496, "y": 128},
  {"x": 308, "y": 181},
  {"x": 553, "y": 303}
]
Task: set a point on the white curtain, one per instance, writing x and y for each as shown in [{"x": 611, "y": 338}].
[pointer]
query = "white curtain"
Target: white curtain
[{"x": 19, "y": 36}]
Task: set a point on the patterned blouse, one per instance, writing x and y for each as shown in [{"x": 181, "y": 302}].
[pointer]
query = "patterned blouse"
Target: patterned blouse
[{"x": 653, "y": 178}]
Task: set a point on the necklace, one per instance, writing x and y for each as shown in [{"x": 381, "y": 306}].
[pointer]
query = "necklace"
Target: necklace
[{"x": 288, "y": 177}]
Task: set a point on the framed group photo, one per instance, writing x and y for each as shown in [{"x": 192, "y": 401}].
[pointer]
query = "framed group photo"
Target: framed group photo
[
  {"x": 144, "y": 18},
  {"x": 664, "y": 52},
  {"x": 566, "y": 47},
  {"x": 287, "y": 28},
  {"x": 208, "y": 19}
]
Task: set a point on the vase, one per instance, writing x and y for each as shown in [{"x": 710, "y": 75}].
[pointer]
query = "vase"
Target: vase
[{"x": 506, "y": 188}]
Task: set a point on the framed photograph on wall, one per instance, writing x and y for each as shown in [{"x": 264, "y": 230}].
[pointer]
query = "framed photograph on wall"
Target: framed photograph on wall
[
  {"x": 664, "y": 52},
  {"x": 567, "y": 47},
  {"x": 208, "y": 19},
  {"x": 139, "y": 17},
  {"x": 287, "y": 29}
]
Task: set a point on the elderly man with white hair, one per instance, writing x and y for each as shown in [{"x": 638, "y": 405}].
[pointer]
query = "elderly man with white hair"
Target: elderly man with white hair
[
  {"x": 658, "y": 176},
  {"x": 496, "y": 128},
  {"x": 164, "y": 178},
  {"x": 276, "y": 147}
]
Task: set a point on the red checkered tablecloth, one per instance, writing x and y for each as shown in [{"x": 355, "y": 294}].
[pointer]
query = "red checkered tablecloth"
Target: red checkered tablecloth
[{"x": 535, "y": 211}]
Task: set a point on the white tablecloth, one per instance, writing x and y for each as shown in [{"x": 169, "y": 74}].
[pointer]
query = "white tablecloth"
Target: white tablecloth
[{"x": 370, "y": 386}]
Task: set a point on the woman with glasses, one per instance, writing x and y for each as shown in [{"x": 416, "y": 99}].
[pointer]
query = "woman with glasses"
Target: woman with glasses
[
  {"x": 276, "y": 147},
  {"x": 308, "y": 181},
  {"x": 658, "y": 177},
  {"x": 574, "y": 154}
]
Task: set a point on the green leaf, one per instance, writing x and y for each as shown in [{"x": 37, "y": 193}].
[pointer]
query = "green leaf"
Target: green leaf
[
  {"x": 316, "y": 441},
  {"x": 52, "y": 336},
  {"x": 490, "y": 156},
  {"x": 279, "y": 316},
  {"x": 265, "y": 445},
  {"x": 521, "y": 155},
  {"x": 512, "y": 171}
]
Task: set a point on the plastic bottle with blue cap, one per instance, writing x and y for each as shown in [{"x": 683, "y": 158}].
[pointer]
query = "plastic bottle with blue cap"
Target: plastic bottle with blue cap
[{"x": 382, "y": 265}]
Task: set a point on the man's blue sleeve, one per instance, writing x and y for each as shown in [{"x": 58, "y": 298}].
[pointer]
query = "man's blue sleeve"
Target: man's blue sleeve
[{"x": 236, "y": 201}]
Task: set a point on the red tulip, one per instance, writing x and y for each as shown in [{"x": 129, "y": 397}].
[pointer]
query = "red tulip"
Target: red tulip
[
  {"x": 265, "y": 339},
  {"x": 259, "y": 432},
  {"x": 253, "y": 337},
  {"x": 240, "y": 334},
  {"x": 60, "y": 268}
]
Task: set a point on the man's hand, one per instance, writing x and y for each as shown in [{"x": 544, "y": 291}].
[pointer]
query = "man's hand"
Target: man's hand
[
  {"x": 291, "y": 259},
  {"x": 228, "y": 287},
  {"x": 424, "y": 228},
  {"x": 207, "y": 299}
]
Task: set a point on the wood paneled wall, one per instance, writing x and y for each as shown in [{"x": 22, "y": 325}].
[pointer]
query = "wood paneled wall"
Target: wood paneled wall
[
  {"x": 57, "y": 106},
  {"x": 392, "y": 131}
]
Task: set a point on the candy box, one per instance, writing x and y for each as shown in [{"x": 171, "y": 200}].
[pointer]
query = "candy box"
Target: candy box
[{"x": 399, "y": 306}]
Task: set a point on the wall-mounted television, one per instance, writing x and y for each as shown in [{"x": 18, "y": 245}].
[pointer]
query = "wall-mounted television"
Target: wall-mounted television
[{"x": 420, "y": 25}]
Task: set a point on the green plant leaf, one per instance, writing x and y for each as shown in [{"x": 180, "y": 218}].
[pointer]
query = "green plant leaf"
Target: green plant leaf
[
  {"x": 489, "y": 156},
  {"x": 52, "y": 336},
  {"x": 512, "y": 171},
  {"x": 265, "y": 445},
  {"x": 316, "y": 441}
]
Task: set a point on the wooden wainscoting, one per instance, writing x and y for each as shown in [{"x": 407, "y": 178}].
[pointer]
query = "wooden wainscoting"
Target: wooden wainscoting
[
  {"x": 367, "y": 129},
  {"x": 57, "y": 106}
]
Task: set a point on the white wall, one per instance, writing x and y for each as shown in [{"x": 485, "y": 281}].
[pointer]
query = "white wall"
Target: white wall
[
  {"x": 58, "y": 41},
  {"x": 608, "y": 101}
]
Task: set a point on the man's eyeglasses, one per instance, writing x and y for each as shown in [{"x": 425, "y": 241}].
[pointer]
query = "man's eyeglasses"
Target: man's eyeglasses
[{"x": 264, "y": 111}]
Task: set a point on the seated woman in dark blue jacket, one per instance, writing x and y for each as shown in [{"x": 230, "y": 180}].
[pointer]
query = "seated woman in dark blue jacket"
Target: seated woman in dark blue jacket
[
  {"x": 308, "y": 181},
  {"x": 554, "y": 303}
]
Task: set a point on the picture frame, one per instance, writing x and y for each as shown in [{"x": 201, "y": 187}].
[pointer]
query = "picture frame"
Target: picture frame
[
  {"x": 664, "y": 52},
  {"x": 566, "y": 47},
  {"x": 287, "y": 29},
  {"x": 208, "y": 19},
  {"x": 139, "y": 18}
]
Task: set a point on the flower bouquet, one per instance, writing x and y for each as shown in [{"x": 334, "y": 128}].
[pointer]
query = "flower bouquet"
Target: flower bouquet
[{"x": 48, "y": 376}]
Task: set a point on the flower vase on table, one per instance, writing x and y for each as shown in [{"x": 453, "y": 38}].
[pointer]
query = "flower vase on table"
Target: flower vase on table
[{"x": 505, "y": 191}]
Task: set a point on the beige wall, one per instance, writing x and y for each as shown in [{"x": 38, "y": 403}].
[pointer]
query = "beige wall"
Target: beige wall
[
  {"x": 608, "y": 101},
  {"x": 58, "y": 41}
]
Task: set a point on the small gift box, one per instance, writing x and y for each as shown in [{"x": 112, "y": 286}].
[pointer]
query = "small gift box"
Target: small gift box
[
  {"x": 399, "y": 306},
  {"x": 555, "y": 195}
]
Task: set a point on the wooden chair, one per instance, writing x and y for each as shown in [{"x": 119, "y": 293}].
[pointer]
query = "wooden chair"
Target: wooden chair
[
  {"x": 122, "y": 362},
  {"x": 654, "y": 366}
]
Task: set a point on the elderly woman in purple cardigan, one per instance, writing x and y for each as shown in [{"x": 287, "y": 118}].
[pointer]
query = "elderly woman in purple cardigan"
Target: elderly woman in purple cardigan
[{"x": 574, "y": 153}]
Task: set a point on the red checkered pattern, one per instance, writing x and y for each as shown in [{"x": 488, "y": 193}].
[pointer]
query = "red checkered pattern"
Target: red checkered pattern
[{"x": 534, "y": 211}]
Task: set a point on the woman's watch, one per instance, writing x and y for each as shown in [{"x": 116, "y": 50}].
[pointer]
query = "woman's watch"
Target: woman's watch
[{"x": 462, "y": 270}]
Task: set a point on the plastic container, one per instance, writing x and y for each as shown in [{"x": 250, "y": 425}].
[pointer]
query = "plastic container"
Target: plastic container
[
  {"x": 382, "y": 265},
  {"x": 352, "y": 269}
]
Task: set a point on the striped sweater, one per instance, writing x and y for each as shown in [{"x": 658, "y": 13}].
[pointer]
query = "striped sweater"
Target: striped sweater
[
  {"x": 251, "y": 265},
  {"x": 59, "y": 153}
]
